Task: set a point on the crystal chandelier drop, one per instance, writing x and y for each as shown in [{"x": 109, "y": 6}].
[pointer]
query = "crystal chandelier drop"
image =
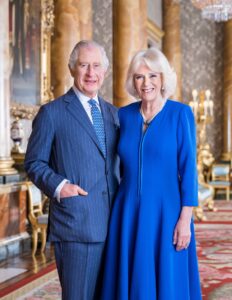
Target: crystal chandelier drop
[{"x": 216, "y": 10}]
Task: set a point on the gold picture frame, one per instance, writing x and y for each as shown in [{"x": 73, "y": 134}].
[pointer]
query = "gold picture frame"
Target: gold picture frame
[
  {"x": 154, "y": 34},
  {"x": 37, "y": 25}
]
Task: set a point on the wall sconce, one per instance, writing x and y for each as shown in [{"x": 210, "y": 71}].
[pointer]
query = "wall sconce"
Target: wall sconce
[{"x": 202, "y": 106}]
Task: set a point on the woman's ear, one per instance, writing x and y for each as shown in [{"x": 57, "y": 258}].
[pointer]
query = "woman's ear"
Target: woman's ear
[{"x": 162, "y": 91}]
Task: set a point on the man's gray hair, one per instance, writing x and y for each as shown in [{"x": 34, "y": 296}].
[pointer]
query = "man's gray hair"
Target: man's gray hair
[{"x": 85, "y": 44}]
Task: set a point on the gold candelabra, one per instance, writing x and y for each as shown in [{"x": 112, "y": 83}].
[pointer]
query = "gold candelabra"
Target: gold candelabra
[{"x": 202, "y": 107}]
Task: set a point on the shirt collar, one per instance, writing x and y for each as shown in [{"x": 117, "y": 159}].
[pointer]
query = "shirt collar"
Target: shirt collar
[{"x": 83, "y": 98}]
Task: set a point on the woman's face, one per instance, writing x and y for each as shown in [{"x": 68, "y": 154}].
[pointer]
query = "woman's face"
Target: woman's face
[{"x": 147, "y": 84}]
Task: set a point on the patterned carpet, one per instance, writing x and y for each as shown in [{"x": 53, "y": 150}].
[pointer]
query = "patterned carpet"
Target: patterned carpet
[
  {"x": 48, "y": 290},
  {"x": 214, "y": 245},
  {"x": 30, "y": 282}
]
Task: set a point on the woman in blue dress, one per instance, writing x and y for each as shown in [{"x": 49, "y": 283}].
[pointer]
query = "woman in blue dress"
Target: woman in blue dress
[{"x": 151, "y": 251}]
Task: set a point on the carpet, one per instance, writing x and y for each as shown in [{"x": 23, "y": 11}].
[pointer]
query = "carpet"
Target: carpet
[
  {"x": 223, "y": 205},
  {"x": 45, "y": 287},
  {"x": 49, "y": 290},
  {"x": 29, "y": 282},
  {"x": 222, "y": 215},
  {"x": 214, "y": 247}
]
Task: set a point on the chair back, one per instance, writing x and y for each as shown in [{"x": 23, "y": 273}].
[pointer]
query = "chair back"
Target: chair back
[
  {"x": 221, "y": 172},
  {"x": 34, "y": 201},
  {"x": 37, "y": 218}
]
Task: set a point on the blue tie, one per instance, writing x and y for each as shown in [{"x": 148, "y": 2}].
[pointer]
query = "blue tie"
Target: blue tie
[{"x": 98, "y": 124}]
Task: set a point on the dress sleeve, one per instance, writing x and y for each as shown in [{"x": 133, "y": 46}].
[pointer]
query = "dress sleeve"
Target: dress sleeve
[{"x": 187, "y": 165}]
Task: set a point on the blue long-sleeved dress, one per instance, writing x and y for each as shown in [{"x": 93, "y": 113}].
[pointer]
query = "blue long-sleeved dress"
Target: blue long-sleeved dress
[{"x": 159, "y": 177}]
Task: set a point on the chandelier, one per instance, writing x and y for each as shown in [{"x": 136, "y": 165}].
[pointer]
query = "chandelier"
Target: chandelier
[{"x": 216, "y": 10}]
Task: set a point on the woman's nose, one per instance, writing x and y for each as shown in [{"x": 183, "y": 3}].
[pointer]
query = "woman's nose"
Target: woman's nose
[{"x": 146, "y": 80}]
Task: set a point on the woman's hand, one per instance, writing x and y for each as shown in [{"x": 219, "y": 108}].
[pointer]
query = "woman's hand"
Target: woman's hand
[{"x": 182, "y": 233}]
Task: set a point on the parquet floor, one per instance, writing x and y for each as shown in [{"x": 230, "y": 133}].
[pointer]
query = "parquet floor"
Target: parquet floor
[{"x": 33, "y": 265}]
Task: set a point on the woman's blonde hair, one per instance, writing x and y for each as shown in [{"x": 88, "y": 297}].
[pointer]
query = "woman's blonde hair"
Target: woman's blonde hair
[{"x": 155, "y": 60}]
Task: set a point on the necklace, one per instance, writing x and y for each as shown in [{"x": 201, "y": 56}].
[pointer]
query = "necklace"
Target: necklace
[{"x": 147, "y": 121}]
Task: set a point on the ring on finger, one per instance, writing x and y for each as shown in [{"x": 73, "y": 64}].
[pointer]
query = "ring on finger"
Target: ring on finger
[{"x": 186, "y": 246}]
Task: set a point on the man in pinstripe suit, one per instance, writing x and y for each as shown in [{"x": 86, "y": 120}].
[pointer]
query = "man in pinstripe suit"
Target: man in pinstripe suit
[{"x": 67, "y": 161}]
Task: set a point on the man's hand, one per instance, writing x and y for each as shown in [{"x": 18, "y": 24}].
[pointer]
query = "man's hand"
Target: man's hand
[{"x": 70, "y": 190}]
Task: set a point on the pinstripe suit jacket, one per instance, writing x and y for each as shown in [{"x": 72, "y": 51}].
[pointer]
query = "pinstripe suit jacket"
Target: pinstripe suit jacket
[{"x": 64, "y": 145}]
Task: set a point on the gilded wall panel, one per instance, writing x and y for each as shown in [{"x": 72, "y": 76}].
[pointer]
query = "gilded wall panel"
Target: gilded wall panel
[
  {"x": 102, "y": 33},
  {"x": 202, "y": 59}
]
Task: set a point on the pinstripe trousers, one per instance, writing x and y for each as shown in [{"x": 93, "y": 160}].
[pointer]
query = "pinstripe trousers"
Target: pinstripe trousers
[{"x": 79, "y": 268}]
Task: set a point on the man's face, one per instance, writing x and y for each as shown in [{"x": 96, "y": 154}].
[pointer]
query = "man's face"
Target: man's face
[{"x": 89, "y": 72}]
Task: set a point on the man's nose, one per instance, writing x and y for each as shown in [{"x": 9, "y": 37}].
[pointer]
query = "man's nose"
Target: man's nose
[{"x": 90, "y": 70}]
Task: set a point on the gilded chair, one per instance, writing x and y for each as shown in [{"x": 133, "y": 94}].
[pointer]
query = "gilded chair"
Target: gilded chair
[
  {"x": 205, "y": 191},
  {"x": 221, "y": 178},
  {"x": 205, "y": 199},
  {"x": 37, "y": 218}
]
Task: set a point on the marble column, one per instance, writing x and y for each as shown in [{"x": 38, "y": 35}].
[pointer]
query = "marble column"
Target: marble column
[
  {"x": 6, "y": 161},
  {"x": 172, "y": 41},
  {"x": 73, "y": 22},
  {"x": 227, "y": 101},
  {"x": 129, "y": 36}
]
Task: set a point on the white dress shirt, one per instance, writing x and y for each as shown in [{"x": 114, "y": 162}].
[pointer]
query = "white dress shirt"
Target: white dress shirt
[
  {"x": 84, "y": 101},
  {"x": 87, "y": 107}
]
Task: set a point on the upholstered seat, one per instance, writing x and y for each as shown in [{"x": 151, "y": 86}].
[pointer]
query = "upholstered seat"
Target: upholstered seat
[
  {"x": 203, "y": 192},
  {"x": 223, "y": 183},
  {"x": 205, "y": 198},
  {"x": 43, "y": 219},
  {"x": 37, "y": 218},
  {"x": 221, "y": 178}
]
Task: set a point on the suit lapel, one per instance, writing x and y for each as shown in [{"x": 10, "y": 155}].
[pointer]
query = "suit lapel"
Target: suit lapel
[{"x": 76, "y": 109}]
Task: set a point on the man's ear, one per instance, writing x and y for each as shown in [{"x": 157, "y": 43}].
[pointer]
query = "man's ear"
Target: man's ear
[{"x": 72, "y": 72}]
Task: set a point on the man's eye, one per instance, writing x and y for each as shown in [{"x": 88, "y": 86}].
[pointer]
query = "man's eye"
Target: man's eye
[
  {"x": 83, "y": 65},
  {"x": 97, "y": 66},
  {"x": 137, "y": 77},
  {"x": 153, "y": 75}
]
